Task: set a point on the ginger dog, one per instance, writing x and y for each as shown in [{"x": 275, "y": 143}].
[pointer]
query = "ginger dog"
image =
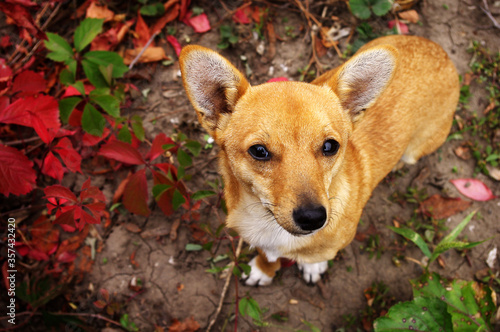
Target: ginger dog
[{"x": 300, "y": 160}]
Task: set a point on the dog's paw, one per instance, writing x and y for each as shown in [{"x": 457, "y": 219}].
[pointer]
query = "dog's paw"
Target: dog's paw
[
  {"x": 312, "y": 272},
  {"x": 257, "y": 277}
]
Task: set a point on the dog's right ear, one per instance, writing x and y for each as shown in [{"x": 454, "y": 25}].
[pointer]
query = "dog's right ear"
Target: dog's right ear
[{"x": 212, "y": 84}]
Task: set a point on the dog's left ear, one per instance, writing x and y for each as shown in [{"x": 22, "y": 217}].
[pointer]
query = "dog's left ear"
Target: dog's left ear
[
  {"x": 213, "y": 85},
  {"x": 361, "y": 80}
]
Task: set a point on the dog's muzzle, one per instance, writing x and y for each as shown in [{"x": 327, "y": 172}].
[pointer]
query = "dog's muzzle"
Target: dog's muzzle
[{"x": 310, "y": 218}]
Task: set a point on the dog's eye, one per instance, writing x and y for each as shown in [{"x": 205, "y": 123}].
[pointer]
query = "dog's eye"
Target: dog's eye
[
  {"x": 330, "y": 147},
  {"x": 259, "y": 152}
]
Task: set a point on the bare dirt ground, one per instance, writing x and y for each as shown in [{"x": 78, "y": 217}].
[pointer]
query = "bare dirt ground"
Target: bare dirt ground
[{"x": 175, "y": 282}]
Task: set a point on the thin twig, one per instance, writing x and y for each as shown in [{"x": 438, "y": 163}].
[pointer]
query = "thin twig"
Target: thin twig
[
  {"x": 143, "y": 49},
  {"x": 226, "y": 286},
  {"x": 22, "y": 141},
  {"x": 487, "y": 11}
]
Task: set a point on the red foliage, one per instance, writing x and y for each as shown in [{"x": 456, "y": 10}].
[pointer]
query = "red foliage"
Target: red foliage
[
  {"x": 70, "y": 209},
  {"x": 17, "y": 176}
]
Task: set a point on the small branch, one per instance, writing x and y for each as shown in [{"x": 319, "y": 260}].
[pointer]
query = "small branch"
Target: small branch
[
  {"x": 487, "y": 11},
  {"x": 22, "y": 141},
  {"x": 143, "y": 50},
  {"x": 226, "y": 287}
]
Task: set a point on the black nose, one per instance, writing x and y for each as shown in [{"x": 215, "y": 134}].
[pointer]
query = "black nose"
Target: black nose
[{"x": 309, "y": 218}]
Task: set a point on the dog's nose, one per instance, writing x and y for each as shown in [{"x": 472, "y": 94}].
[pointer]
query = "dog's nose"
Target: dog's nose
[{"x": 309, "y": 218}]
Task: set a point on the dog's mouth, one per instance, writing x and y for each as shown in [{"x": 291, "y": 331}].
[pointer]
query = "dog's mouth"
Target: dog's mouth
[{"x": 295, "y": 231}]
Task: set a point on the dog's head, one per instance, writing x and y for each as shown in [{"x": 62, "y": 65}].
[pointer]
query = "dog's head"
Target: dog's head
[{"x": 282, "y": 143}]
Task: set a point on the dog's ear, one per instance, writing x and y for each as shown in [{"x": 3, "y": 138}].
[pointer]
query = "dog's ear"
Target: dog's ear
[
  {"x": 213, "y": 85},
  {"x": 360, "y": 81}
]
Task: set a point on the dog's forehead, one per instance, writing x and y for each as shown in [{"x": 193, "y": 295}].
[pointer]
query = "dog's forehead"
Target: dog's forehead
[{"x": 292, "y": 108}]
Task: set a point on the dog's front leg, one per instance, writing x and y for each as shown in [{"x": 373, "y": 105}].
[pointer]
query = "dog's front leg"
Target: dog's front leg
[
  {"x": 263, "y": 271},
  {"x": 312, "y": 271}
]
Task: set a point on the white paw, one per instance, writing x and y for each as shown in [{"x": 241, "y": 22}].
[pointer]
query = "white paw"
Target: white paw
[
  {"x": 257, "y": 277},
  {"x": 312, "y": 272}
]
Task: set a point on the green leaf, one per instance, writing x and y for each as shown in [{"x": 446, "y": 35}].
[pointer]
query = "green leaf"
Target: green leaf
[
  {"x": 79, "y": 87},
  {"x": 177, "y": 199},
  {"x": 470, "y": 304},
  {"x": 160, "y": 189},
  {"x": 202, "y": 194},
  {"x": 442, "y": 247},
  {"x": 381, "y": 7},
  {"x": 107, "y": 73},
  {"x": 194, "y": 147},
  {"x": 137, "y": 127},
  {"x": 66, "y": 106},
  {"x": 66, "y": 77},
  {"x": 193, "y": 247},
  {"x": 105, "y": 58},
  {"x": 414, "y": 237},
  {"x": 360, "y": 9},
  {"x": 167, "y": 147},
  {"x": 245, "y": 268},
  {"x": 72, "y": 67},
  {"x": 93, "y": 74},
  {"x": 457, "y": 230},
  {"x": 311, "y": 326},
  {"x": 109, "y": 104},
  {"x": 124, "y": 135},
  {"x": 61, "y": 50},
  {"x": 421, "y": 314},
  {"x": 253, "y": 309},
  {"x": 155, "y": 9},
  {"x": 183, "y": 158},
  {"x": 92, "y": 120},
  {"x": 86, "y": 32}
]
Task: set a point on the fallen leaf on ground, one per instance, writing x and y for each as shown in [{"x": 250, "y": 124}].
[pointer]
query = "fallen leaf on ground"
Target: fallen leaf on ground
[
  {"x": 187, "y": 325},
  {"x": 403, "y": 28},
  {"x": 171, "y": 12},
  {"x": 132, "y": 227},
  {"x": 463, "y": 152},
  {"x": 175, "y": 44},
  {"x": 473, "y": 189},
  {"x": 441, "y": 207},
  {"x": 409, "y": 15},
  {"x": 493, "y": 172},
  {"x": 96, "y": 10},
  {"x": 199, "y": 23},
  {"x": 243, "y": 15},
  {"x": 151, "y": 54}
]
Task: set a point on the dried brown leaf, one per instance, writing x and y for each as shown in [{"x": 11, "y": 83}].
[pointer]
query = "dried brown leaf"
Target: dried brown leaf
[
  {"x": 409, "y": 15},
  {"x": 440, "y": 207},
  {"x": 151, "y": 54}
]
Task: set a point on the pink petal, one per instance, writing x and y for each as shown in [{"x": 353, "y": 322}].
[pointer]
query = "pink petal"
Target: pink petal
[{"x": 473, "y": 189}]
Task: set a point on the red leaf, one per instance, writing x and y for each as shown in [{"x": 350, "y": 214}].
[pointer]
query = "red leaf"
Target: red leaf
[
  {"x": 91, "y": 140},
  {"x": 122, "y": 152},
  {"x": 40, "y": 113},
  {"x": 58, "y": 191},
  {"x": 135, "y": 197},
  {"x": 199, "y": 23},
  {"x": 45, "y": 237},
  {"x": 164, "y": 201},
  {"x": 72, "y": 91},
  {"x": 66, "y": 257},
  {"x": 28, "y": 83},
  {"x": 86, "y": 218},
  {"x": 17, "y": 176},
  {"x": 66, "y": 218},
  {"x": 22, "y": 18},
  {"x": 53, "y": 167},
  {"x": 156, "y": 149},
  {"x": 71, "y": 158},
  {"x": 183, "y": 9},
  {"x": 403, "y": 28},
  {"x": 5, "y": 42},
  {"x": 142, "y": 31},
  {"x": 175, "y": 44},
  {"x": 441, "y": 207},
  {"x": 473, "y": 189},
  {"x": 242, "y": 15},
  {"x": 171, "y": 13},
  {"x": 92, "y": 192}
]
